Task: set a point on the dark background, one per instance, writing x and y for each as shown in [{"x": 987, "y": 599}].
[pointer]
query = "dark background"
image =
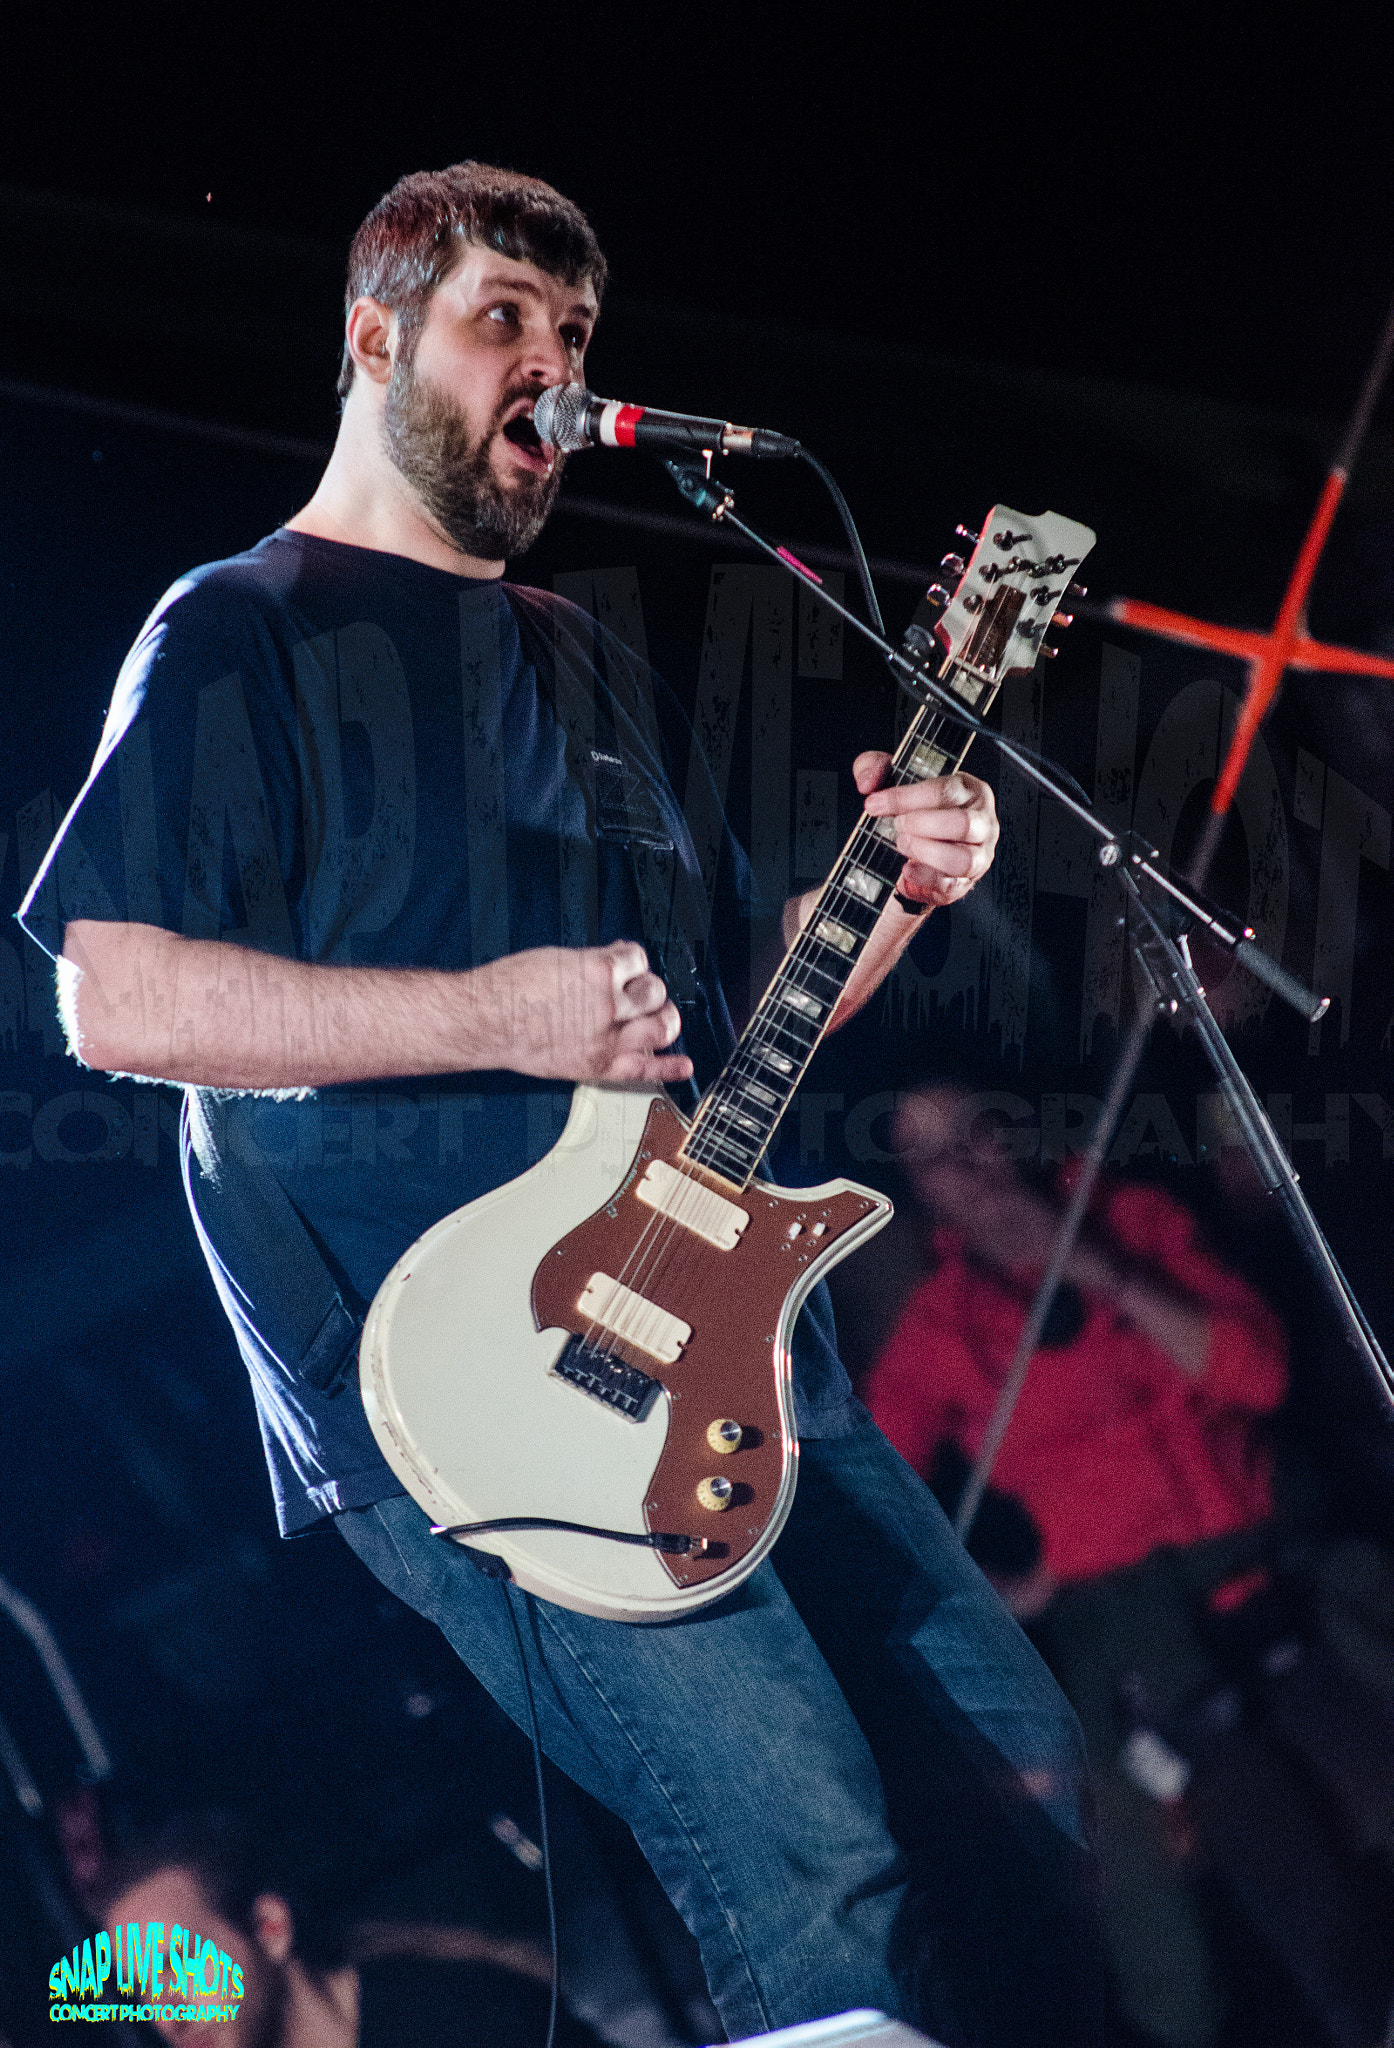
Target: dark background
[{"x": 989, "y": 258}]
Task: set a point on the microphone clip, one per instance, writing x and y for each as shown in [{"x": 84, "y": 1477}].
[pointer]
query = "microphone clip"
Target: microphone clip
[{"x": 699, "y": 490}]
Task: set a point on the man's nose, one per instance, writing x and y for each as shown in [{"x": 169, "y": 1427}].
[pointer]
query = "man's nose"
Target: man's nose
[{"x": 549, "y": 361}]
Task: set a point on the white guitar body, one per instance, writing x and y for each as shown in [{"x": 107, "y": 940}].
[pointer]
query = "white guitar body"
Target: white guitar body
[
  {"x": 458, "y": 1382},
  {"x": 605, "y": 1341}
]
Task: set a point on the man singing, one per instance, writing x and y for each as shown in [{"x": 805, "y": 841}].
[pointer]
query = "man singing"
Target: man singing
[{"x": 344, "y": 869}]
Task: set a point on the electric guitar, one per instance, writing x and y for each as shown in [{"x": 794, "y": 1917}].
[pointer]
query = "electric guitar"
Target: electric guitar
[{"x": 587, "y": 1372}]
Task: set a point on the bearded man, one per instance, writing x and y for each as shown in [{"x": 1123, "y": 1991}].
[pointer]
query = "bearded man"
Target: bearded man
[{"x": 344, "y": 833}]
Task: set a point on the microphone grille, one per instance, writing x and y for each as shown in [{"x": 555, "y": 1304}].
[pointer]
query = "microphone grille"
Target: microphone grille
[{"x": 559, "y": 416}]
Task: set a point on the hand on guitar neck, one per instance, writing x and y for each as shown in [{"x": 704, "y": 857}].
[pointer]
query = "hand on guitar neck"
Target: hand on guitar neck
[{"x": 947, "y": 829}]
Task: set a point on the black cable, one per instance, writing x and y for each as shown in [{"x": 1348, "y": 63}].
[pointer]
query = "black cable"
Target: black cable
[
  {"x": 869, "y": 592},
  {"x": 543, "y": 1842},
  {"x": 854, "y": 539},
  {"x": 673, "y": 1545},
  {"x": 717, "y": 503}
]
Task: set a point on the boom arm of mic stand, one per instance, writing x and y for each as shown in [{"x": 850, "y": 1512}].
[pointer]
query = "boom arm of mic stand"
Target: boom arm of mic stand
[
  {"x": 1242, "y": 944},
  {"x": 914, "y": 677}
]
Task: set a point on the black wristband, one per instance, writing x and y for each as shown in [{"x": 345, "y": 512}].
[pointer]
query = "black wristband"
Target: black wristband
[{"x": 910, "y": 906}]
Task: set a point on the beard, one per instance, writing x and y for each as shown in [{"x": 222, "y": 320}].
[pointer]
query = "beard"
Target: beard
[{"x": 430, "y": 443}]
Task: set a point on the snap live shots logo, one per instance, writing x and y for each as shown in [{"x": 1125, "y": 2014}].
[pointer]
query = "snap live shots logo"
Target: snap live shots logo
[{"x": 204, "y": 1982}]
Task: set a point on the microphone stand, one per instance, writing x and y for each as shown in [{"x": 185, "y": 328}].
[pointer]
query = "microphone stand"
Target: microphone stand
[{"x": 1165, "y": 960}]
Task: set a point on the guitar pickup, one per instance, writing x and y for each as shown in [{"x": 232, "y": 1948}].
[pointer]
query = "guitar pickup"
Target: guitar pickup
[
  {"x": 688, "y": 1201},
  {"x": 634, "y": 1319},
  {"x": 607, "y": 1378}
]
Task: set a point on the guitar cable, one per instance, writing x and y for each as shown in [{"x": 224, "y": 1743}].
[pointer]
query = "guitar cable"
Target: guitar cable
[
  {"x": 543, "y": 1842},
  {"x": 495, "y": 1568},
  {"x": 668, "y": 1541}
]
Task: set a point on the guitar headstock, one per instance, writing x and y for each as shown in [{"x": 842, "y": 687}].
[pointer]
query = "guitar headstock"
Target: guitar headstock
[{"x": 993, "y": 623}]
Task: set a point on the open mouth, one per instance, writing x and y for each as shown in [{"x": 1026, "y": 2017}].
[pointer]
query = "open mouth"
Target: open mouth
[
  {"x": 532, "y": 451},
  {"x": 523, "y": 434}
]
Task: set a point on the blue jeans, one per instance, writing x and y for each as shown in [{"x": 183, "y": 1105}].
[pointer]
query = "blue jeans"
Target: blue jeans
[{"x": 854, "y": 1777}]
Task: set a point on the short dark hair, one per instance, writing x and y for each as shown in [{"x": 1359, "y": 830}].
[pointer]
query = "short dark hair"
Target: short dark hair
[
  {"x": 233, "y": 1863},
  {"x": 216, "y": 1848},
  {"x": 416, "y": 232}
]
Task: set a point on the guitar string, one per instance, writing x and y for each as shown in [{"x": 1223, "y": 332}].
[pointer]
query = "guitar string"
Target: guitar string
[
  {"x": 705, "y": 1144},
  {"x": 659, "y": 1244},
  {"x": 652, "y": 1255},
  {"x": 669, "y": 1242},
  {"x": 670, "y": 1232},
  {"x": 926, "y": 729},
  {"x": 652, "y": 1247},
  {"x": 803, "y": 962}
]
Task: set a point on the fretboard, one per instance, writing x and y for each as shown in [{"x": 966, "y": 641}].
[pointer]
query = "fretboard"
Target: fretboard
[{"x": 740, "y": 1112}]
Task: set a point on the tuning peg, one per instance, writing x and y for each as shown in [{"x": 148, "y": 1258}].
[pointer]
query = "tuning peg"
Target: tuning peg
[
  {"x": 1063, "y": 619},
  {"x": 1078, "y": 590},
  {"x": 955, "y": 565},
  {"x": 1048, "y": 651},
  {"x": 937, "y": 594},
  {"x": 967, "y": 533}
]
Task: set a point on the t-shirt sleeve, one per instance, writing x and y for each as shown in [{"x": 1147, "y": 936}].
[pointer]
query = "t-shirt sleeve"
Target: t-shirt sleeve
[{"x": 188, "y": 818}]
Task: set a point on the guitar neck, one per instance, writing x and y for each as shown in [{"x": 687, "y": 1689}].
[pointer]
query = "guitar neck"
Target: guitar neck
[{"x": 740, "y": 1112}]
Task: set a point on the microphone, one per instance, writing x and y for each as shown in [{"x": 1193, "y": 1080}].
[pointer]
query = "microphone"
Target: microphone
[{"x": 570, "y": 418}]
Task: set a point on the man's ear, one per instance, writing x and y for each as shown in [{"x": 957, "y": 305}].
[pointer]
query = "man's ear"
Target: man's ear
[
  {"x": 371, "y": 334},
  {"x": 273, "y": 1924}
]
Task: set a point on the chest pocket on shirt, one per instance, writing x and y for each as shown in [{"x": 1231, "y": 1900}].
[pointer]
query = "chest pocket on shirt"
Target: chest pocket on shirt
[
  {"x": 626, "y": 811},
  {"x": 628, "y": 816}
]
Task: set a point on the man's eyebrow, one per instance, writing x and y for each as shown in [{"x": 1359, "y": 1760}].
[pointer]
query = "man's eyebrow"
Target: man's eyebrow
[{"x": 524, "y": 288}]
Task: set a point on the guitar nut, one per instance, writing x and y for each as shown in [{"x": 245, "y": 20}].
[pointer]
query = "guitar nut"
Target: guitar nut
[
  {"x": 724, "y": 1435},
  {"x": 715, "y": 1494}
]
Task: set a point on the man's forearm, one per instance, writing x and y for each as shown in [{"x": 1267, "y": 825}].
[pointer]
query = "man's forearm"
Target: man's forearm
[
  {"x": 1177, "y": 1323},
  {"x": 892, "y": 933},
  {"x": 139, "y": 1000}
]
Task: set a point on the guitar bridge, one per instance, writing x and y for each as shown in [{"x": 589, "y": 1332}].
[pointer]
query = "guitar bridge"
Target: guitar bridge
[{"x": 607, "y": 1378}]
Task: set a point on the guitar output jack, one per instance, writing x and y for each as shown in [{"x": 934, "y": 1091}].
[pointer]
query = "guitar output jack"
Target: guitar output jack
[
  {"x": 724, "y": 1435},
  {"x": 715, "y": 1494}
]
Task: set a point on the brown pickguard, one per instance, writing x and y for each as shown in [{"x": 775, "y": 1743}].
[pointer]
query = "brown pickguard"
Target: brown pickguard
[{"x": 732, "y": 1365}]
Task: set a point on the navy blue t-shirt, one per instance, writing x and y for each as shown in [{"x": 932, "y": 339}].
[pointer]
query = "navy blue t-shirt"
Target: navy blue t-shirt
[{"x": 345, "y": 756}]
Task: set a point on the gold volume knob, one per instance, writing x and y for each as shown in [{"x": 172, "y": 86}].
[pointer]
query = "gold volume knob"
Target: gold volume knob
[
  {"x": 715, "y": 1494},
  {"x": 724, "y": 1435}
]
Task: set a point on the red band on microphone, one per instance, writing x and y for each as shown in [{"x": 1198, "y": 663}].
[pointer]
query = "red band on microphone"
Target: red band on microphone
[{"x": 626, "y": 420}]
